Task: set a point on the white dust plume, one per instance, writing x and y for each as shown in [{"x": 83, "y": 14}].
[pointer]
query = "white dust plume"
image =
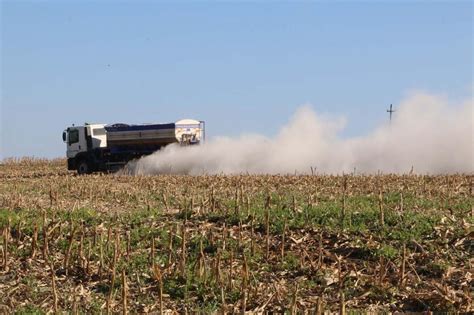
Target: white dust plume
[{"x": 427, "y": 135}]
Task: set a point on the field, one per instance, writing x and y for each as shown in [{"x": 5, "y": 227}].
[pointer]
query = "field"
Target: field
[{"x": 162, "y": 244}]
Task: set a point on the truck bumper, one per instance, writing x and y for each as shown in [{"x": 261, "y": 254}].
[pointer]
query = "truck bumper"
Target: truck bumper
[{"x": 71, "y": 164}]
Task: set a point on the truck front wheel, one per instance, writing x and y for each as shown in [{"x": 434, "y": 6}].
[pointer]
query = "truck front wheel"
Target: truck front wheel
[{"x": 82, "y": 168}]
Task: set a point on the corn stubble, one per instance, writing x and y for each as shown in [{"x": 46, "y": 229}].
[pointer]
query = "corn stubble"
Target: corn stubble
[{"x": 233, "y": 244}]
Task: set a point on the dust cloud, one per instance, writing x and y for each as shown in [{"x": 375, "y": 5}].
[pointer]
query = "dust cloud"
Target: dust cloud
[{"x": 427, "y": 135}]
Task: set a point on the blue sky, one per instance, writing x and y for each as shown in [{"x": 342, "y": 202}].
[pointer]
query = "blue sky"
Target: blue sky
[{"x": 244, "y": 67}]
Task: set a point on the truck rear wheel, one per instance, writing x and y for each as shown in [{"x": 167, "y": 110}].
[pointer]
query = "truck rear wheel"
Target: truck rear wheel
[{"x": 83, "y": 168}]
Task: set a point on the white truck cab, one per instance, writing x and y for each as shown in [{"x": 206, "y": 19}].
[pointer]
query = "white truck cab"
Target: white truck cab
[
  {"x": 77, "y": 138},
  {"x": 83, "y": 139}
]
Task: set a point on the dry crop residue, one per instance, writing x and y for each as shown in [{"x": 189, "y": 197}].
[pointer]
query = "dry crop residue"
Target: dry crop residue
[{"x": 233, "y": 243}]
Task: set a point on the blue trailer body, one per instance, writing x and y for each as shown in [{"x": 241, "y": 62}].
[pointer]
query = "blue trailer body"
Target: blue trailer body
[
  {"x": 143, "y": 139},
  {"x": 124, "y": 127}
]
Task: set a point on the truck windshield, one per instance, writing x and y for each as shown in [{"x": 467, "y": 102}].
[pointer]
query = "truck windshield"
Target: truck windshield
[{"x": 73, "y": 136}]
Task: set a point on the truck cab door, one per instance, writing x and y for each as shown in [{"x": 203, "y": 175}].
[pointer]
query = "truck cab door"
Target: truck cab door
[{"x": 76, "y": 141}]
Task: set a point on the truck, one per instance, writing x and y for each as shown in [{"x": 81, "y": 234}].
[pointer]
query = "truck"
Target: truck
[{"x": 109, "y": 147}]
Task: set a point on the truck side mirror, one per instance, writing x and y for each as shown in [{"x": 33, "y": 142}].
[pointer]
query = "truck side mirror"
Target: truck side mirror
[{"x": 64, "y": 136}]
